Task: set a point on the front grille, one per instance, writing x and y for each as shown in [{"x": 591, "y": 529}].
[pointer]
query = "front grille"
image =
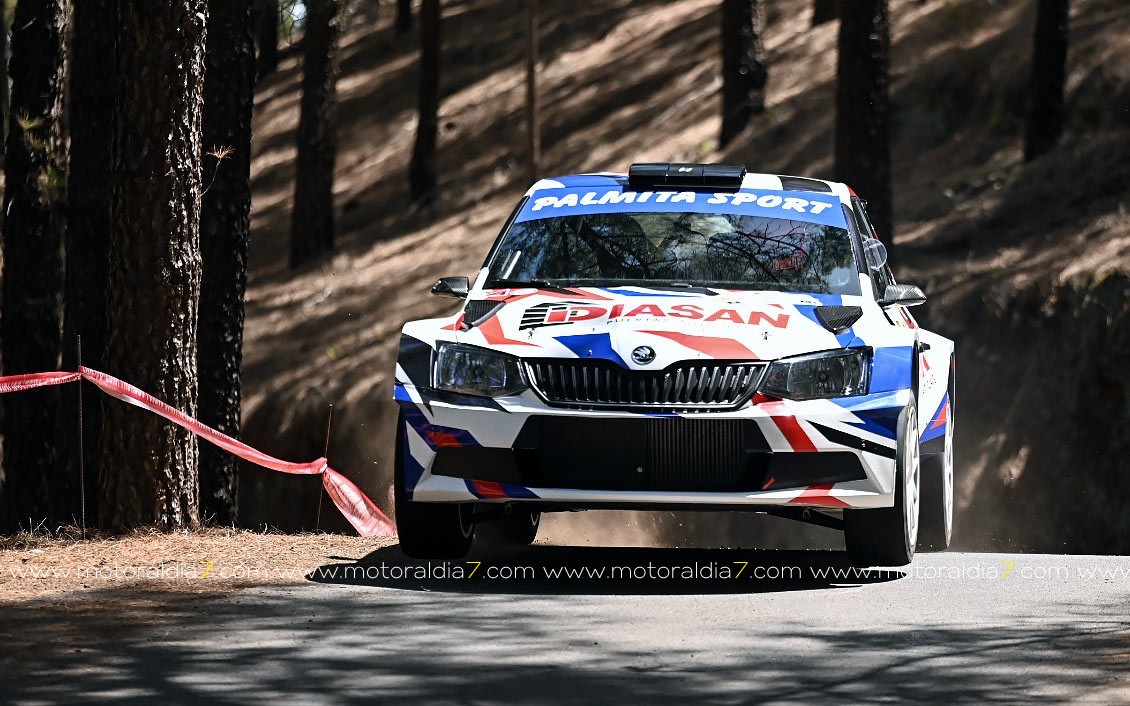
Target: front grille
[
  {"x": 641, "y": 453},
  {"x": 687, "y": 385}
]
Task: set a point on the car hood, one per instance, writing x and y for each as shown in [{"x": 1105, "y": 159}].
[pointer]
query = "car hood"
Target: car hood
[{"x": 669, "y": 326}]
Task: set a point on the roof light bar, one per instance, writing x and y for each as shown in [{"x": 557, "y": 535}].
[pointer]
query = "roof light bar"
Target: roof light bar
[{"x": 714, "y": 176}]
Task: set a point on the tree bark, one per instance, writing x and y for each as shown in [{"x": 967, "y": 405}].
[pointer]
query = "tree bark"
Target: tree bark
[
  {"x": 91, "y": 113},
  {"x": 312, "y": 227},
  {"x": 1046, "y": 112},
  {"x": 533, "y": 113},
  {"x": 403, "y": 17},
  {"x": 4, "y": 97},
  {"x": 31, "y": 297},
  {"x": 267, "y": 26},
  {"x": 744, "y": 68},
  {"x": 154, "y": 275},
  {"x": 422, "y": 170},
  {"x": 863, "y": 155},
  {"x": 229, "y": 93},
  {"x": 824, "y": 11}
]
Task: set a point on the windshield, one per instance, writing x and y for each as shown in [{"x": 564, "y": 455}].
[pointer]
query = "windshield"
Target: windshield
[{"x": 677, "y": 249}]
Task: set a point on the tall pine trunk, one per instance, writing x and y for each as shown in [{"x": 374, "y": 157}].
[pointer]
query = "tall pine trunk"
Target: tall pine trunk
[
  {"x": 267, "y": 31},
  {"x": 4, "y": 97},
  {"x": 863, "y": 154},
  {"x": 229, "y": 92},
  {"x": 533, "y": 112},
  {"x": 91, "y": 122},
  {"x": 312, "y": 226},
  {"x": 403, "y": 16},
  {"x": 150, "y": 466},
  {"x": 744, "y": 68},
  {"x": 1049, "y": 71},
  {"x": 422, "y": 170},
  {"x": 31, "y": 298},
  {"x": 824, "y": 11}
]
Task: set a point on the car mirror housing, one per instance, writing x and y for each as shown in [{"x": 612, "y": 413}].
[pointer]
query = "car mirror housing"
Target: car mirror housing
[
  {"x": 454, "y": 287},
  {"x": 903, "y": 295}
]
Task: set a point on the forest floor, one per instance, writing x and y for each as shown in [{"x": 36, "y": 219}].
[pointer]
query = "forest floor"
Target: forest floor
[
  {"x": 635, "y": 81},
  {"x": 63, "y": 566}
]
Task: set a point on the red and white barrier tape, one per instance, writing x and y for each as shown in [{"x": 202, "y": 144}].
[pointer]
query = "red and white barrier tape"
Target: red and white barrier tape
[{"x": 361, "y": 512}]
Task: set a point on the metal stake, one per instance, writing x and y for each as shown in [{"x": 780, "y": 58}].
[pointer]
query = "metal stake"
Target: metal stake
[
  {"x": 81, "y": 441},
  {"x": 325, "y": 455}
]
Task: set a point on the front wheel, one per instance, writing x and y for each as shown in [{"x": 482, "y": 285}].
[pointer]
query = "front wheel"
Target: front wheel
[
  {"x": 521, "y": 529},
  {"x": 887, "y": 536},
  {"x": 429, "y": 530}
]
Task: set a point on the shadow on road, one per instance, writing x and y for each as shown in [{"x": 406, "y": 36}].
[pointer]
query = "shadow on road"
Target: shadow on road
[
  {"x": 313, "y": 643},
  {"x": 553, "y": 570}
]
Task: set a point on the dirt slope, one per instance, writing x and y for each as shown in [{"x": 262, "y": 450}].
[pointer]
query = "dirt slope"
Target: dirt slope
[{"x": 628, "y": 81}]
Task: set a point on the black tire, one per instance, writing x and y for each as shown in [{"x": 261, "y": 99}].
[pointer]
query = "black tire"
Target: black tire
[
  {"x": 887, "y": 536},
  {"x": 429, "y": 530},
  {"x": 936, "y": 529},
  {"x": 520, "y": 529}
]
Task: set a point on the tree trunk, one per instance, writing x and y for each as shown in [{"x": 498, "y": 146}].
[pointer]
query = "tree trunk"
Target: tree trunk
[
  {"x": 34, "y": 201},
  {"x": 229, "y": 92},
  {"x": 863, "y": 155},
  {"x": 824, "y": 11},
  {"x": 403, "y": 17},
  {"x": 4, "y": 97},
  {"x": 267, "y": 26},
  {"x": 91, "y": 113},
  {"x": 533, "y": 116},
  {"x": 744, "y": 70},
  {"x": 1049, "y": 70},
  {"x": 422, "y": 171},
  {"x": 312, "y": 227},
  {"x": 154, "y": 276}
]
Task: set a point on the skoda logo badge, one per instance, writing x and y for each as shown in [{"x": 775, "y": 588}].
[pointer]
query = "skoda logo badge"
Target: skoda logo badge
[{"x": 643, "y": 355}]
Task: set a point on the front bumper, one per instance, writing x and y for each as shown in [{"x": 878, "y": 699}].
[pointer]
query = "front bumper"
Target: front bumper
[{"x": 820, "y": 453}]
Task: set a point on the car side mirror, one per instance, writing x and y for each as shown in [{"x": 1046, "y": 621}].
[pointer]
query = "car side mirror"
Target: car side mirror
[
  {"x": 903, "y": 295},
  {"x": 455, "y": 287}
]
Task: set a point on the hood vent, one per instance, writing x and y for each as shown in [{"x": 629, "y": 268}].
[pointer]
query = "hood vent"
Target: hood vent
[
  {"x": 476, "y": 311},
  {"x": 837, "y": 319}
]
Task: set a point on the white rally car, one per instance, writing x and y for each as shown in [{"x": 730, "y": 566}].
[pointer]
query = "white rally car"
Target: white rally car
[{"x": 684, "y": 336}]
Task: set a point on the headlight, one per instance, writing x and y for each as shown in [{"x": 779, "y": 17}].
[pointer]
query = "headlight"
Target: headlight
[
  {"x": 476, "y": 371},
  {"x": 809, "y": 377}
]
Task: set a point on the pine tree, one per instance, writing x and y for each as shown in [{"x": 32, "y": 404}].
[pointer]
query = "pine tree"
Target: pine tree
[
  {"x": 403, "y": 16},
  {"x": 229, "y": 94},
  {"x": 533, "y": 112},
  {"x": 312, "y": 226},
  {"x": 824, "y": 11},
  {"x": 154, "y": 269},
  {"x": 422, "y": 170},
  {"x": 1046, "y": 112},
  {"x": 91, "y": 121},
  {"x": 744, "y": 68},
  {"x": 35, "y": 190},
  {"x": 267, "y": 28},
  {"x": 863, "y": 153}
]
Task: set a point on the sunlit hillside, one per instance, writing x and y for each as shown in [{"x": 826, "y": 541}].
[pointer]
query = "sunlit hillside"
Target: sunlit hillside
[{"x": 1010, "y": 253}]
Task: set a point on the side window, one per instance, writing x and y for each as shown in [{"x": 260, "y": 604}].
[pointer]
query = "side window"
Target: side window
[{"x": 883, "y": 277}]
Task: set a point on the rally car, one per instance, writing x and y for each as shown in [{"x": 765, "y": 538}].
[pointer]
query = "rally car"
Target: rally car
[{"x": 683, "y": 336}]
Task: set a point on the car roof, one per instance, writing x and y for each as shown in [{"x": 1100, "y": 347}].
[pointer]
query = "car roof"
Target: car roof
[{"x": 751, "y": 181}]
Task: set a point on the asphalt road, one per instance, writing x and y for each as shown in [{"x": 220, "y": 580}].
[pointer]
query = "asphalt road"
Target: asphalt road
[{"x": 952, "y": 628}]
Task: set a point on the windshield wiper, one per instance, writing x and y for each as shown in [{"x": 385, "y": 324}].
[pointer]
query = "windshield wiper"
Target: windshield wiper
[
  {"x": 520, "y": 283},
  {"x": 681, "y": 286}
]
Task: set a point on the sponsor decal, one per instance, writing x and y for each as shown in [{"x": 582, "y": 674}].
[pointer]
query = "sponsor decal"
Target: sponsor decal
[
  {"x": 566, "y": 312},
  {"x": 811, "y": 208}
]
